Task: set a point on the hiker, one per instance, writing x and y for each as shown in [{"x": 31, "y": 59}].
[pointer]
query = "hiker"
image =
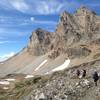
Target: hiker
[
  {"x": 78, "y": 73},
  {"x": 84, "y": 73},
  {"x": 95, "y": 77}
]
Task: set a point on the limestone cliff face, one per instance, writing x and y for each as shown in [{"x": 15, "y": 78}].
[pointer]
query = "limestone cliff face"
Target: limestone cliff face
[
  {"x": 80, "y": 28},
  {"x": 85, "y": 19},
  {"x": 82, "y": 24}
]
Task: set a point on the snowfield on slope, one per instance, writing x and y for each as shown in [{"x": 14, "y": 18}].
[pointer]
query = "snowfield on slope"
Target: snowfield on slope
[
  {"x": 5, "y": 88},
  {"x": 41, "y": 65},
  {"x": 63, "y": 66},
  {"x": 10, "y": 79},
  {"x": 29, "y": 76},
  {"x": 4, "y": 82}
]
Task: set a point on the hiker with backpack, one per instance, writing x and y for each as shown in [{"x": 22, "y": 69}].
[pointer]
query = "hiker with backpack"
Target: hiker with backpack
[
  {"x": 78, "y": 73},
  {"x": 95, "y": 77},
  {"x": 83, "y": 73}
]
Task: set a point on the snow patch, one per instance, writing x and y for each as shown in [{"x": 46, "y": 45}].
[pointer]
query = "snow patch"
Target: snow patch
[
  {"x": 5, "y": 88},
  {"x": 47, "y": 73},
  {"x": 63, "y": 66},
  {"x": 86, "y": 82},
  {"x": 29, "y": 76},
  {"x": 4, "y": 82},
  {"x": 42, "y": 96},
  {"x": 10, "y": 79},
  {"x": 41, "y": 64},
  {"x": 6, "y": 56},
  {"x": 80, "y": 76}
]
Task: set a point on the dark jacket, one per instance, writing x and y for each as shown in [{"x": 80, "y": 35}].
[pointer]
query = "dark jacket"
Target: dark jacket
[
  {"x": 78, "y": 72},
  {"x": 95, "y": 76},
  {"x": 84, "y": 73}
]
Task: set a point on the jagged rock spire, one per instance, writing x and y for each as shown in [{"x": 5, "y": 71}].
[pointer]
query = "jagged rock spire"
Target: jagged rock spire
[
  {"x": 84, "y": 10},
  {"x": 39, "y": 41}
]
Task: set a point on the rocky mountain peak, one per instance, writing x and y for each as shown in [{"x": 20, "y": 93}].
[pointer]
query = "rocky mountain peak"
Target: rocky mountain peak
[
  {"x": 66, "y": 23},
  {"x": 86, "y": 21},
  {"x": 41, "y": 34},
  {"x": 71, "y": 29},
  {"x": 64, "y": 14},
  {"x": 39, "y": 41},
  {"x": 84, "y": 11},
  {"x": 74, "y": 28}
]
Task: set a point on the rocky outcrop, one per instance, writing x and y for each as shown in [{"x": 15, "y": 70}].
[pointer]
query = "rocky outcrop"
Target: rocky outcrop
[
  {"x": 63, "y": 85},
  {"x": 81, "y": 27},
  {"x": 78, "y": 52},
  {"x": 39, "y": 42}
]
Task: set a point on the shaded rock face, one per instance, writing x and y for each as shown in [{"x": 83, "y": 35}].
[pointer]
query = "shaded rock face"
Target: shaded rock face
[
  {"x": 77, "y": 52},
  {"x": 80, "y": 28},
  {"x": 39, "y": 42}
]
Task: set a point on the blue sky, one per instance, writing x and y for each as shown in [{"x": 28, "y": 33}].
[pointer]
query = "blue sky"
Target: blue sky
[{"x": 18, "y": 18}]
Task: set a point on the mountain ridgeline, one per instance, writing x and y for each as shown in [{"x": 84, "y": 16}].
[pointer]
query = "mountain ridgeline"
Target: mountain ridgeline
[
  {"x": 76, "y": 36},
  {"x": 72, "y": 30}
]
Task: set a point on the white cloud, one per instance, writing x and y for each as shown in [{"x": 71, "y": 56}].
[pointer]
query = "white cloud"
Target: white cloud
[
  {"x": 5, "y": 4},
  {"x": 36, "y": 7},
  {"x": 40, "y": 7},
  {"x": 42, "y": 21},
  {"x": 2, "y": 42},
  {"x": 32, "y": 19},
  {"x": 19, "y": 5},
  {"x": 10, "y": 21},
  {"x": 6, "y": 56},
  {"x": 48, "y": 7}
]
